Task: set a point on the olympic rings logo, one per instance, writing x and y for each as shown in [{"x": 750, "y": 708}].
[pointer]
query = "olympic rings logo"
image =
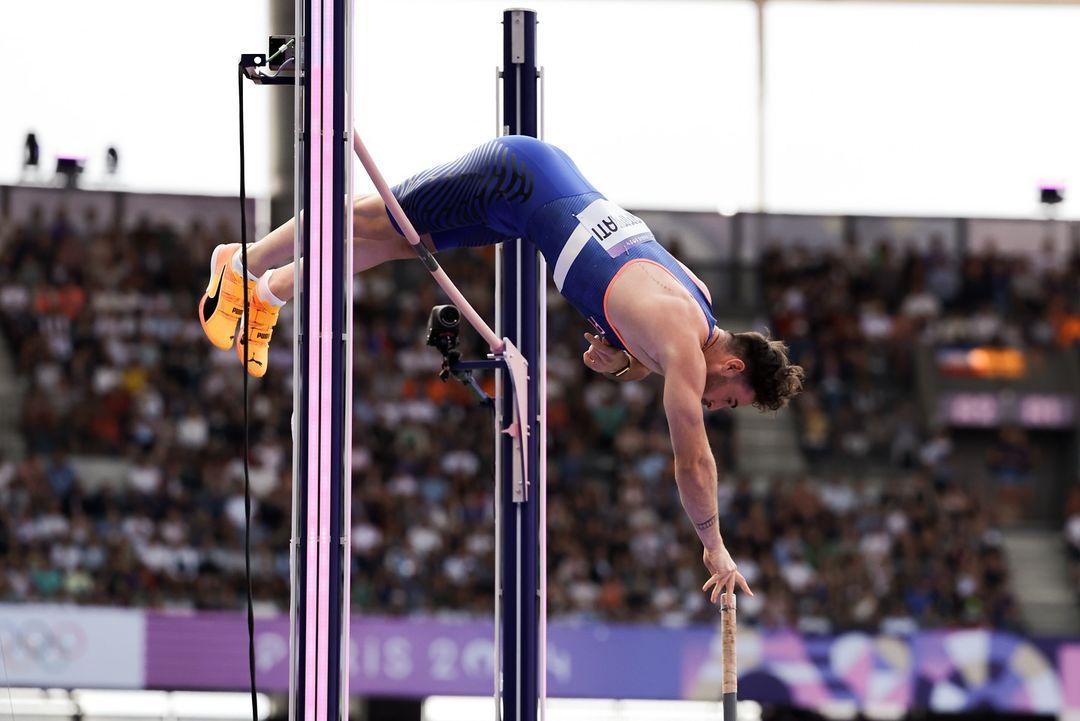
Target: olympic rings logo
[{"x": 37, "y": 643}]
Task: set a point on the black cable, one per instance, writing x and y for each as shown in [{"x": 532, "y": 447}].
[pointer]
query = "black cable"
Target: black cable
[{"x": 247, "y": 424}]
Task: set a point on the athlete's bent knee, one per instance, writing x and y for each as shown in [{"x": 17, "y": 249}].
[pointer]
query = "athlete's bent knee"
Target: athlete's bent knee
[{"x": 370, "y": 220}]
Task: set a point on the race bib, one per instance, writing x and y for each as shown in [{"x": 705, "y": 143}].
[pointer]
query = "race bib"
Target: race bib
[{"x": 614, "y": 228}]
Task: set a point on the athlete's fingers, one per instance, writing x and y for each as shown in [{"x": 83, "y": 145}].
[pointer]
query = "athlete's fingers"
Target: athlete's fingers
[
  {"x": 604, "y": 353},
  {"x": 744, "y": 585},
  {"x": 712, "y": 579},
  {"x": 593, "y": 361},
  {"x": 599, "y": 343},
  {"x": 718, "y": 586}
]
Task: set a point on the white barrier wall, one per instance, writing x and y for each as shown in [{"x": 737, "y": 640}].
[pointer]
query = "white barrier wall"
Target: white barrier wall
[{"x": 72, "y": 646}]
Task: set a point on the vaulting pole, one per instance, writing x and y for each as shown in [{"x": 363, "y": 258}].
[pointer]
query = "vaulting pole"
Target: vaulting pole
[
  {"x": 521, "y": 316},
  {"x": 320, "y": 553}
]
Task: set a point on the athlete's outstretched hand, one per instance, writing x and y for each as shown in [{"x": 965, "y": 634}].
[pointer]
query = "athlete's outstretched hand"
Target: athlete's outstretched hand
[
  {"x": 601, "y": 357},
  {"x": 725, "y": 574}
]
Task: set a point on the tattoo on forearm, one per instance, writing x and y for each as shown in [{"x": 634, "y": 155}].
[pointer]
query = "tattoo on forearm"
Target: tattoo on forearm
[{"x": 704, "y": 525}]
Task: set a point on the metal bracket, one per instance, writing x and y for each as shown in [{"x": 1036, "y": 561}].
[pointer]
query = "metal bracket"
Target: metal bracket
[
  {"x": 275, "y": 67},
  {"x": 518, "y": 369},
  {"x": 517, "y": 36},
  {"x": 463, "y": 371}
]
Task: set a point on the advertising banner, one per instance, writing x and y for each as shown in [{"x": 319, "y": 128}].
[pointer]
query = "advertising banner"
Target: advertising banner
[
  {"x": 942, "y": 670},
  {"x": 946, "y": 671},
  {"x": 72, "y": 646}
]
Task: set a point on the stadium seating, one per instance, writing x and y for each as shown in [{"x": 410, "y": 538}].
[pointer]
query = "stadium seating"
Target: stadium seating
[{"x": 101, "y": 325}]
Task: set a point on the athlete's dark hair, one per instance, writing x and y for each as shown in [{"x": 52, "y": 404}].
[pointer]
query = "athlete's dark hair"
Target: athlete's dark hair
[{"x": 769, "y": 373}]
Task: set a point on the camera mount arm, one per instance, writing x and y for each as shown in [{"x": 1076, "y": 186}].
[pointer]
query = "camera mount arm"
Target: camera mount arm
[
  {"x": 444, "y": 326},
  {"x": 275, "y": 67}
]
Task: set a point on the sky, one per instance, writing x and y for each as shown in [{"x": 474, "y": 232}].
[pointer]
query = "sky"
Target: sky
[{"x": 882, "y": 108}]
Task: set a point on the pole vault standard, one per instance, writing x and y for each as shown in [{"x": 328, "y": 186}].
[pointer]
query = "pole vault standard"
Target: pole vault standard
[
  {"x": 322, "y": 402},
  {"x": 521, "y": 303},
  {"x": 318, "y": 63}
]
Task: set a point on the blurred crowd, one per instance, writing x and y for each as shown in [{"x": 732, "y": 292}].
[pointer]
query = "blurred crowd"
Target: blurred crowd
[
  {"x": 852, "y": 316},
  {"x": 102, "y": 330}
]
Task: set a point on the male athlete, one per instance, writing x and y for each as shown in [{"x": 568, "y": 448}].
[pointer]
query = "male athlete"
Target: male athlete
[{"x": 650, "y": 313}]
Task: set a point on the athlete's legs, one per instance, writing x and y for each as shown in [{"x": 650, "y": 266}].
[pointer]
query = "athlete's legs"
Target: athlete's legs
[
  {"x": 367, "y": 253},
  {"x": 446, "y": 201},
  {"x": 374, "y": 239}
]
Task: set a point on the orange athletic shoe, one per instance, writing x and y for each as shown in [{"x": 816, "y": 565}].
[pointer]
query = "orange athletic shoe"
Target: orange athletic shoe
[
  {"x": 263, "y": 319},
  {"x": 222, "y": 306}
]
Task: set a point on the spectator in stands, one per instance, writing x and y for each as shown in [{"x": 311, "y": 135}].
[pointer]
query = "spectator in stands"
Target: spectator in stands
[{"x": 1010, "y": 462}]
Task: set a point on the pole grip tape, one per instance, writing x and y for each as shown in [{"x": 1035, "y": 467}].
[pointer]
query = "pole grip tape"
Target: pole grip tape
[
  {"x": 727, "y": 645},
  {"x": 426, "y": 258}
]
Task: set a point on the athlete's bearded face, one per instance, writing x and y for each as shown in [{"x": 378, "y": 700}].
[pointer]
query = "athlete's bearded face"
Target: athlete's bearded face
[{"x": 726, "y": 386}]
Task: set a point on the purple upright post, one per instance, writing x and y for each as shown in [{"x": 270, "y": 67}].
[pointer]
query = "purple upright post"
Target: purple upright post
[
  {"x": 520, "y": 297},
  {"x": 323, "y": 349}
]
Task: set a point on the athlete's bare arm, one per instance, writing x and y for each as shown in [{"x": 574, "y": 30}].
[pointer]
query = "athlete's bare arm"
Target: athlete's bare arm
[
  {"x": 636, "y": 372},
  {"x": 695, "y": 468}
]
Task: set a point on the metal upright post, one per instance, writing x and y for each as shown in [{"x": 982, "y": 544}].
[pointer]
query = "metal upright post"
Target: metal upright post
[
  {"x": 520, "y": 295},
  {"x": 319, "y": 688}
]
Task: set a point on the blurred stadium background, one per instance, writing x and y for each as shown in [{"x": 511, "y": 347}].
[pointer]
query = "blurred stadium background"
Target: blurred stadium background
[{"x": 889, "y": 192}]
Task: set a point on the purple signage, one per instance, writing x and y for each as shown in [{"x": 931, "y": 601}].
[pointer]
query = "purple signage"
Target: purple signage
[
  {"x": 941, "y": 670},
  {"x": 411, "y": 657},
  {"x": 986, "y": 409}
]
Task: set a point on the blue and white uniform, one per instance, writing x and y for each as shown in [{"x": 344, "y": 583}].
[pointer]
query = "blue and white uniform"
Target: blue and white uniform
[{"x": 520, "y": 187}]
